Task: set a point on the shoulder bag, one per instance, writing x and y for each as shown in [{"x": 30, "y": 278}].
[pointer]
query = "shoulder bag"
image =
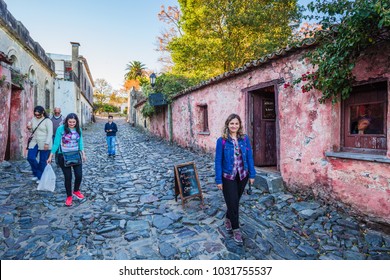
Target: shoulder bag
[
  {"x": 32, "y": 134},
  {"x": 72, "y": 158}
]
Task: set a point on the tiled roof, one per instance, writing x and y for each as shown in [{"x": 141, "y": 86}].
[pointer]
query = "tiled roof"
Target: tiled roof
[{"x": 308, "y": 42}]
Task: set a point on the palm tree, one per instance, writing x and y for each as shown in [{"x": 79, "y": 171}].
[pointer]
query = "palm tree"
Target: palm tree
[{"x": 135, "y": 70}]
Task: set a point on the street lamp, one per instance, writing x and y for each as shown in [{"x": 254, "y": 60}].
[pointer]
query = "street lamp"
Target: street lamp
[{"x": 152, "y": 78}]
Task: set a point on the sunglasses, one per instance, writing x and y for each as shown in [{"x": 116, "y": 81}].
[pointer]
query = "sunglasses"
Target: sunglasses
[{"x": 37, "y": 114}]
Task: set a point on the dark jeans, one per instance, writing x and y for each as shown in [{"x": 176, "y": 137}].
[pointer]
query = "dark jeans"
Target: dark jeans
[
  {"x": 78, "y": 174},
  {"x": 232, "y": 192},
  {"x": 37, "y": 167}
]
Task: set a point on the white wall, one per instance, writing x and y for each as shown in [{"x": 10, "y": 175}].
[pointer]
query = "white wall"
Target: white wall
[
  {"x": 26, "y": 61},
  {"x": 65, "y": 96}
]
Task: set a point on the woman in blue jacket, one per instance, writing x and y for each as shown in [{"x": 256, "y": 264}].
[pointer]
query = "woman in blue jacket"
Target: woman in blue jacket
[{"x": 233, "y": 167}]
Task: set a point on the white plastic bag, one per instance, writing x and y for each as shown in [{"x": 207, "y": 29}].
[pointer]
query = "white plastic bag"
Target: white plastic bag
[{"x": 48, "y": 180}]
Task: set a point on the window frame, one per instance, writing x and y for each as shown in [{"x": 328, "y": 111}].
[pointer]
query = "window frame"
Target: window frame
[
  {"x": 346, "y": 105},
  {"x": 204, "y": 121}
]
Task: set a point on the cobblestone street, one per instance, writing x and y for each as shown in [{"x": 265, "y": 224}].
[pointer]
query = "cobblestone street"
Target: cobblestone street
[{"x": 130, "y": 213}]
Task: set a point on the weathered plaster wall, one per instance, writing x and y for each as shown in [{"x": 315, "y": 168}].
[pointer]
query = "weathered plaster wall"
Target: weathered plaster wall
[
  {"x": 140, "y": 120},
  {"x": 366, "y": 185},
  {"x": 66, "y": 97},
  {"x": 158, "y": 125},
  {"x": 17, "y": 105},
  {"x": 221, "y": 99},
  {"x": 26, "y": 62},
  {"x": 5, "y": 103},
  {"x": 307, "y": 130}
]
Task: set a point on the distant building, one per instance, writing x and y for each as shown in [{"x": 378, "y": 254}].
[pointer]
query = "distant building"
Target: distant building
[
  {"x": 134, "y": 98},
  {"x": 26, "y": 80},
  {"x": 73, "y": 84}
]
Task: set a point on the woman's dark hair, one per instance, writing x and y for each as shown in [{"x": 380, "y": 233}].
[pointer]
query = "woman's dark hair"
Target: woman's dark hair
[
  {"x": 41, "y": 110},
  {"x": 75, "y": 117},
  {"x": 225, "y": 131}
]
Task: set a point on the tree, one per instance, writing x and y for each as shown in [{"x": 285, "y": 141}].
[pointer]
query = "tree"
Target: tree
[
  {"x": 102, "y": 91},
  {"x": 117, "y": 98},
  {"x": 349, "y": 27},
  {"x": 221, "y": 35},
  {"x": 169, "y": 84},
  {"x": 135, "y": 70},
  {"x": 171, "y": 17}
]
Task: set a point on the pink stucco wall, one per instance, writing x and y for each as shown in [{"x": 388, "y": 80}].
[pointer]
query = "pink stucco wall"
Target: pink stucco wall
[
  {"x": 5, "y": 103},
  {"x": 221, "y": 100},
  {"x": 159, "y": 123},
  {"x": 307, "y": 130},
  {"x": 16, "y": 110}
]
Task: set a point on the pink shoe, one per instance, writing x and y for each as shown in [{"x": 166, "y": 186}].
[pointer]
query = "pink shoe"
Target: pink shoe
[
  {"x": 237, "y": 236},
  {"x": 78, "y": 195},
  {"x": 68, "y": 201},
  {"x": 228, "y": 225}
]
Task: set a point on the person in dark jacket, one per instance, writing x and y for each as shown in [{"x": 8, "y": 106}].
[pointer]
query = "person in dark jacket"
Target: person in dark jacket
[
  {"x": 110, "y": 128},
  {"x": 234, "y": 166}
]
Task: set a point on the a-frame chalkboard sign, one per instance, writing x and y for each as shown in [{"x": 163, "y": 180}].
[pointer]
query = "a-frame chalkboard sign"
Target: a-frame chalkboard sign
[{"x": 187, "y": 182}]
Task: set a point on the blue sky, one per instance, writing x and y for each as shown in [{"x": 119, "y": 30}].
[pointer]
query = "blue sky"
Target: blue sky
[{"x": 111, "y": 33}]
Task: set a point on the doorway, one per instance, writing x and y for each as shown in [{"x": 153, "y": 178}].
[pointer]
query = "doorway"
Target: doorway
[{"x": 264, "y": 127}]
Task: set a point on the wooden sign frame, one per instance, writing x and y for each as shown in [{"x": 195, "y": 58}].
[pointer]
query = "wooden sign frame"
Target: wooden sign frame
[{"x": 181, "y": 179}]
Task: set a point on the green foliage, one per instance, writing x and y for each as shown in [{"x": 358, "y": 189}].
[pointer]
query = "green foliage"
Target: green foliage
[
  {"x": 221, "y": 35},
  {"x": 147, "y": 110},
  {"x": 2, "y": 80},
  {"x": 18, "y": 79},
  {"x": 135, "y": 70},
  {"x": 349, "y": 27},
  {"x": 168, "y": 84},
  {"x": 110, "y": 108},
  {"x": 101, "y": 107}
]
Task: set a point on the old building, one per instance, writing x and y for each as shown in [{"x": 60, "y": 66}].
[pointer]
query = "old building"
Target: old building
[
  {"x": 73, "y": 84},
  {"x": 134, "y": 98},
  {"x": 26, "y": 80},
  {"x": 317, "y": 148}
]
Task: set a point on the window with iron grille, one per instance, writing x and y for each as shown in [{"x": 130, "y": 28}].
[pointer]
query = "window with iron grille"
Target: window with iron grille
[{"x": 364, "y": 121}]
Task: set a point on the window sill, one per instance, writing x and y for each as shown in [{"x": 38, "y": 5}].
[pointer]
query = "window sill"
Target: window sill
[
  {"x": 357, "y": 156},
  {"x": 204, "y": 133}
]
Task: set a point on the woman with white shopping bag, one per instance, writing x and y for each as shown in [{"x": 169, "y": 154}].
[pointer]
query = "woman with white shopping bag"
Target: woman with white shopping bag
[{"x": 69, "y": 144}]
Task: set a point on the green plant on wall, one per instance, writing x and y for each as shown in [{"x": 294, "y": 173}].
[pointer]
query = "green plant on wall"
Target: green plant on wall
[
  {"x": 147, "y": 110},
  {"x": 2, "y": 80},
  {"x": 168, "y": 84},
  {"x": 348, "y": 28},
  {"x": 18, "y": 79}
]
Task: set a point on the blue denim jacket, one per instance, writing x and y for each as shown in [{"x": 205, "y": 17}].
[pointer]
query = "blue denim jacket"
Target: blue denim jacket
[{"x": 224, "y": 157}]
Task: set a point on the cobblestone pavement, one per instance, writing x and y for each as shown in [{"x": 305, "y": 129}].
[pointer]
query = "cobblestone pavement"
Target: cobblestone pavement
[{"x": 130, "y": 213}]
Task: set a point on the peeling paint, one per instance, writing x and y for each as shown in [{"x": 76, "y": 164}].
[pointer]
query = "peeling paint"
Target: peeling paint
[{"x": 307, "y": 130}]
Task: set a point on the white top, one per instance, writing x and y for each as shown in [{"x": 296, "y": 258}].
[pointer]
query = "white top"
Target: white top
[{"x": 43, "y": 135}]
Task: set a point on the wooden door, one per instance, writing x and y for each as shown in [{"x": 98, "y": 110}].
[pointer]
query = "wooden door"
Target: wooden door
[{"x": 264, "y": 128}]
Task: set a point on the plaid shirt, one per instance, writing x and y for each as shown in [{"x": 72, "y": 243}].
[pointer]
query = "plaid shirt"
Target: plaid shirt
[{"x": 238, "y": 164}]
